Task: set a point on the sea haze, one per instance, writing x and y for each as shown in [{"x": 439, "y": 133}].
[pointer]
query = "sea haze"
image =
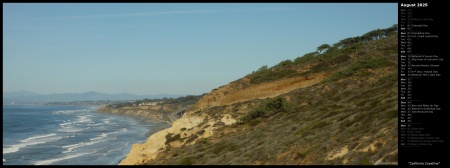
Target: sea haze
[
  {"x": 69, "y": 135},
  {"x": 31, "y": 97}
]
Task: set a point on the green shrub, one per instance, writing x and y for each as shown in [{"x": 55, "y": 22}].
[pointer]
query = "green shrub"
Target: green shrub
[
  {"x": 268, "y": 75},
  {"x": 363, "y": 63},
  {"x": 186, "y": 161},
  {"x": 319, "y": 124},
  {"x": 390, "y": 78},
  {"x": 364, "y": 162},
  {"x": 392, "y": 114},
  {"x": 170, "y": 138},
  {"x": 267, "y": 109},
  {"x": 322, "y": 66},
  {"x": 192, "y": 138},
  {"x": 365, "y": 73},
  {"x": 219, "y": 148},
  {"x": 309, "y": 57},
  {"x": 341, "y": 74},
  {"x": 285, "y": 63},
  {"x": 254, "y": 122},
  {"x": 340, "y": 59},
  {"x": 200, "y": 132}
]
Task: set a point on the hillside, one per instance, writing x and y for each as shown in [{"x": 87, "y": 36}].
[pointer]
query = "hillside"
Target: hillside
[{"x": 337, "y": 105}]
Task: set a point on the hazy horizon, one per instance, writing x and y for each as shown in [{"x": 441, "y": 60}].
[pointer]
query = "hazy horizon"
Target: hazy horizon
[
  {"x": 91, "y": 91},
  {"x": 156, "y": 48}
]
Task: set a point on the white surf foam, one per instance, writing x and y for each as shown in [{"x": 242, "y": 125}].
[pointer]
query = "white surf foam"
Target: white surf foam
[
  {"x": 40, "y": 139},
  {"x": 37, "y": 137},
  {"x": 71, "y": 130},
  {"x": 83, "y": 119},
  {"x": 103, "y": 135},
  {"x": 106, "y": 121},
  {"x": 98, "y": 124},
  {"x": 50, "y": 161},
  {"x": 101, "y": 138},
  {"x": 70, "y": 148},
  {"x": 65, "y": 123},
  {"x": 71, "y": 111}
]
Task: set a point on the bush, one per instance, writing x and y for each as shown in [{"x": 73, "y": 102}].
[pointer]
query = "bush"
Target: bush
[
  {"x": 192, "y": 138},
  {"x": 392, "y": 77},
  {"x": 255, "y": 122},
  {"x": 365, "y": 162},
  {"x": 341, "y": 74},
  {"x": 285, "y": 63},
  {"x": 186, "y": 161},
  {"x": 340, "y": 59},
  {"x": 170, "y": 138},
  {"x": 321, "y": 66},
  {"x": 362, "y": 63},
  {"x": 392, "y": 114},
  {"x": 267, "y": 109},
  {"x": 309, "y": 57},
  {"x": 219, "y": 148},
  {"x": 269, "y": 75},
  {"x": 200, "y": 132},
  {"x": 371, "y": 63}
]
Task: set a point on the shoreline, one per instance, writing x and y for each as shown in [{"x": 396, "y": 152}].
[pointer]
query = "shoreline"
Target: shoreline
[{"x": 159, "y": 124}]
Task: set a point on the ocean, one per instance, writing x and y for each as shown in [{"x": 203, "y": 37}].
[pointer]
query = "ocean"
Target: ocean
[{"x": 69, "y": 135}]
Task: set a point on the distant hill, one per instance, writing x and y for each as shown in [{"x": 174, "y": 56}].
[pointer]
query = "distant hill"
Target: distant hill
[
  {"x": 30, "y": 97},
  {"x": 19, "y": 94}
]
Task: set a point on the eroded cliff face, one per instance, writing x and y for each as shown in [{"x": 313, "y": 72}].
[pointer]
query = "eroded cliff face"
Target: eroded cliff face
[
  {"x": 221, "y": 107},
  {"x": 141, "y": 153},
  {"x": 184, "y": 131},
  {"x": 241, "y": 90},
  {"x": 153, "y": 112},
  {"x": 135, "y": 111}
]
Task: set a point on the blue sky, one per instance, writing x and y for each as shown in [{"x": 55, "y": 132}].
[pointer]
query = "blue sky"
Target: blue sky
[{"x": 166, "y": 48}]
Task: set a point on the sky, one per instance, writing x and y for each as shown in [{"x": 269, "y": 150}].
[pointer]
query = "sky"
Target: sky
[{"x": 153, "y": 48}]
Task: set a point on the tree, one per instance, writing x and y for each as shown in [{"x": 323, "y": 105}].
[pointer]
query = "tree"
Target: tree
[
  {"x": 285, "y": 63},
  {"x": 392, "y": 29},
  {"x": 306, "y": 58},
  {"x": 347, "y": 42},
  {"x": 323, "y": 47},
  {"x": 263, "y": 68}
]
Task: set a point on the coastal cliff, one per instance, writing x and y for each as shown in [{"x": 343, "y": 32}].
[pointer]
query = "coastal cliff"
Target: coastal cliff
[
  {"x": 164, "y": 110},
  {"x": 332, "y": 107},
  {"x": 145, "y": 111}
]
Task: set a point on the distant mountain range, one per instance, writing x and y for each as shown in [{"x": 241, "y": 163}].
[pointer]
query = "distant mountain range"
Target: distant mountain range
[{"x": 31, "y": 97}]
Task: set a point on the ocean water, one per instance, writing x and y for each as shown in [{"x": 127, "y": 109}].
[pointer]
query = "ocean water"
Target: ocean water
[{"x": 69, "y": 135}]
